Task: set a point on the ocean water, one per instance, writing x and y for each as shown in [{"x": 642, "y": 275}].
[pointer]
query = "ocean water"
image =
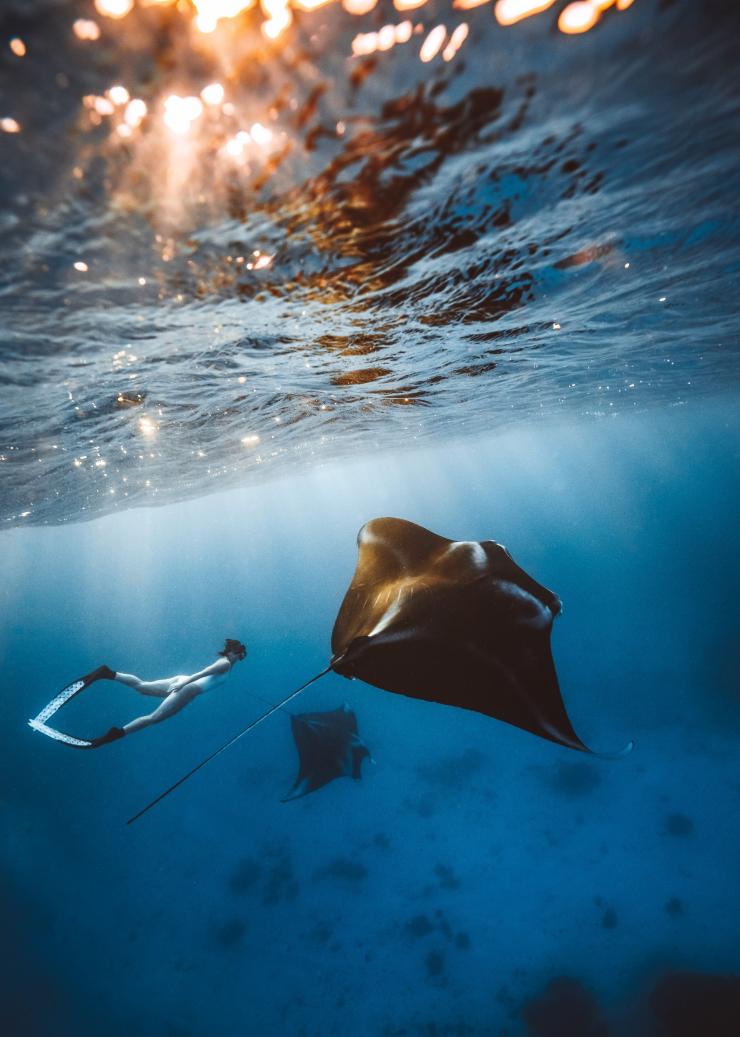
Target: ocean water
[
  {"x": 495, "y": 296},
  {"x": 474, "y": 863}
]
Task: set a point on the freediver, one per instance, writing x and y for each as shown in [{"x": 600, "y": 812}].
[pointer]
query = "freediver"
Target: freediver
[{"x": 175, "y": 692}]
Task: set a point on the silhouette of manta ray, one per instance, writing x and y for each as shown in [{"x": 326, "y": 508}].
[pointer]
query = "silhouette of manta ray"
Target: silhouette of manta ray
[
  {"x": 455, "y": 622},
  {"x": 329, "y": 747},
  {"x": 448, "y": 621}
]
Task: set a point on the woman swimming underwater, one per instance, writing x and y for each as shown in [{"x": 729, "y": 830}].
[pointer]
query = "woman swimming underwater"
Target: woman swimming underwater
[{"x": 175, "y": 692}]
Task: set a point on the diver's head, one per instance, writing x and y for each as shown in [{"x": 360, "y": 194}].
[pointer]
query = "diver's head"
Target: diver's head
[{"x": 233, "y": 650}]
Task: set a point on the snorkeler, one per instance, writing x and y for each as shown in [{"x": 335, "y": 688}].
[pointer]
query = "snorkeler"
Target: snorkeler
[{"x": 176, "y": 692}]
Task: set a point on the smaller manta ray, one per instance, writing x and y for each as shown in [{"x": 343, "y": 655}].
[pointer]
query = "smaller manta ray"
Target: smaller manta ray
[{"x": 328, "y": 747}]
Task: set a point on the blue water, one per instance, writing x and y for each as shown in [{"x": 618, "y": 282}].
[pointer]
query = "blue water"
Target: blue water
[
  {"x": 474, "y": 862},
  {"x": 499, "y": 301}
]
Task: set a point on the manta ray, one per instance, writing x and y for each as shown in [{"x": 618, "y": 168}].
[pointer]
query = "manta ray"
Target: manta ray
[
  {"x": 452, "y": 621},
  {"x": 329, "y": 747}
]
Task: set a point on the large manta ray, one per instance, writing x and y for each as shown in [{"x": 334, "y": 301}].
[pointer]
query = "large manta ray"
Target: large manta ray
[
  {"x": 329, "y": 746},
  {"x": 452, "y": 621}
]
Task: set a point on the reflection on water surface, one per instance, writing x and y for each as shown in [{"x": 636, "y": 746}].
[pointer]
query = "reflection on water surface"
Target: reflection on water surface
[{"x": 225, "y": 252}]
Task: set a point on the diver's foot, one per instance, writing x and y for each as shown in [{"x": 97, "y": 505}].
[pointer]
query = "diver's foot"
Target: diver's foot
[
  {"x": 103, "y": 673},
  {"x": 110, "y": 736}
]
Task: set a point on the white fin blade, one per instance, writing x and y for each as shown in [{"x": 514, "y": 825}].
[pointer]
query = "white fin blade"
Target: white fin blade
[{"x": 58, "y": 736}]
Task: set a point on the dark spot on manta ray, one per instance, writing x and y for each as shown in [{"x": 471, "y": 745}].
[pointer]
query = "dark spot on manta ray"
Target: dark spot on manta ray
[
  {"x": 462, "y": 942},
  {"x": 674, "y": 907},
  {"x": 342, "y": 868},
  {"x": 566, "y": 1008},
  {"x": 679, "y": 825},
  {"x": 694, "y": 1004},
  {"x": 382, "y": 841},
  {"x": 231, "y": 933},
  {"x": 575, "y": 779},
  {"x": 248, "y": 872}
]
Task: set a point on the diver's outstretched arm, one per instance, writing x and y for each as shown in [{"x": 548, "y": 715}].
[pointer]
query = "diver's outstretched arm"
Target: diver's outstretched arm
[{"x": 171, "y": 705}]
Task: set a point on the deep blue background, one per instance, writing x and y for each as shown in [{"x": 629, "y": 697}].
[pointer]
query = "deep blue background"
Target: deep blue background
[{"x": 474, "y": 863}]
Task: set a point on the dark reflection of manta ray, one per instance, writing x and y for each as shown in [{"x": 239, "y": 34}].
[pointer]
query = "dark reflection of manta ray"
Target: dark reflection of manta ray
[
  {"x": 329, "y": 747},
  {"x": 449, "y": 621},
  {"x": 456, "y": 622}
]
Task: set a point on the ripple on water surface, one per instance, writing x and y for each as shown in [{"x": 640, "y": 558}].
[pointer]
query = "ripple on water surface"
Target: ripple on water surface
[{"x": 224, "y": 254}]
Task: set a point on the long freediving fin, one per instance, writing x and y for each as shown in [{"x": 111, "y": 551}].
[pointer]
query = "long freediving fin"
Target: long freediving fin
[
  {"x": 59, "y": 736},
  {"x": 39, "y": 723}
]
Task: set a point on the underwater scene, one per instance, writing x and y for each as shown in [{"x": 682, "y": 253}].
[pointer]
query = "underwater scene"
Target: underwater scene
[{"x": 370, "y": 459}]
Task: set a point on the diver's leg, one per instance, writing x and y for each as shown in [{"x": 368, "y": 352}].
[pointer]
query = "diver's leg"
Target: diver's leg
[
  {"x": 159, "y": 689},
  {"x": 171, "y": 705}
]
